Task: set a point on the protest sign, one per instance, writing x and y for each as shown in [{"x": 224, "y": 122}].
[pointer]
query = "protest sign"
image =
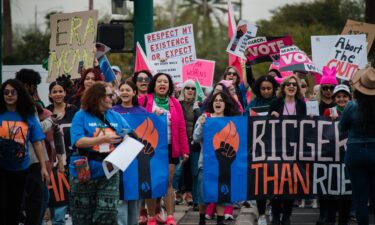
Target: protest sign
[
  {"x": 172, "y": 67},
  {"x": 72, "y": 43},
  {"x": 202, "y": 70},
  {"x": 264, "y": 49},
  {"x": 312, "y": 108},
  {"x": 174, "y": 43},
  {"x": 238, "y": 42},
  {"x": 296, "y": 156},
  {"x": 122, "y": 156},
  {"x": 147, "y": 175},
  {"x": 356, "y": 27},
  {"x": 293, "y": 59},
  {"x": 225, "y": 159},
  {"x": 321, "y": 47},
  {"x": 346, "y": 55},
  {"x": 101, "y": 50},
  {"x": 59, "y": 188}
]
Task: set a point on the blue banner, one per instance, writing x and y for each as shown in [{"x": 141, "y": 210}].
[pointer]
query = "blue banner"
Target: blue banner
[
  {"x": 147, "y": 175},
  {"x": 106, "y": 69},
  {"x": 225, "y": 159}
]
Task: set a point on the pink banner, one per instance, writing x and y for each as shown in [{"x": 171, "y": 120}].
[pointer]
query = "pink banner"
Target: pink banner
[
  {"x": 263, "y": 48},
  {"x": 202, "y": 70},
  {"x": 292, "y": 55}
]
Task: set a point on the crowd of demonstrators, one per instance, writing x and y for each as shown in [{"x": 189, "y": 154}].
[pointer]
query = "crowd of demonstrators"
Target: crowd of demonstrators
[{"x": 91, "y": 122}]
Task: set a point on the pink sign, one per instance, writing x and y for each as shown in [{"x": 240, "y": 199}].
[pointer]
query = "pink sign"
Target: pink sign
[
  {"x": 293, "y": 59},
  {"x": 202, "y": 70},
  {"x": 265, "y": 48}
]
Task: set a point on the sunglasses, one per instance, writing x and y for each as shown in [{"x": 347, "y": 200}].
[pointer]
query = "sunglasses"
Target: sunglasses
[
  {"x": 109, "y": 95},
  {"x": 143, "y": 79},
  {"x": 12, "y": 92},
  {"x": 190, "y": 88},
  {"x": 326, "y": 88},
  {"x": 231, "y": 73},
  {"x": 287, "y": 84}
]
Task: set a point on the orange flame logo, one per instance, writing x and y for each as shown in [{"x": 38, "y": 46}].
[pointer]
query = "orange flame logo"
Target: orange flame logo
[
  {"x": 227, "y": 135},
  {"x": 147, "y": 132}
]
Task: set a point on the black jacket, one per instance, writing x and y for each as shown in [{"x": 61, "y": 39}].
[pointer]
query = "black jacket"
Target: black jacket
[{"x": 278, "y": 106}]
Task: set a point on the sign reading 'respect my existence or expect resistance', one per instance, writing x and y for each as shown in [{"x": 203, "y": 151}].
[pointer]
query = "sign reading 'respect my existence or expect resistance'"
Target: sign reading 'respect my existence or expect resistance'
[{"x": 173, "y": 43}]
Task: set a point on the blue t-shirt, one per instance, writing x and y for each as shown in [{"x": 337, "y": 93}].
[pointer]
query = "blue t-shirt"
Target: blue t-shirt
[
  {"x": 13, "y": 127},
  {"x": 85, "y": 124}
]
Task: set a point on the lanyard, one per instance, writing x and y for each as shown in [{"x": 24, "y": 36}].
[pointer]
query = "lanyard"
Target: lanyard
[
  {"x": 286, "y": 108},
  {"x": 12, "y": 130},
  {"x": 101, "y": 126}
]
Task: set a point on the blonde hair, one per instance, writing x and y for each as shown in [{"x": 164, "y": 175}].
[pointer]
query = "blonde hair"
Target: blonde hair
[{"x": 281, "y": 91}]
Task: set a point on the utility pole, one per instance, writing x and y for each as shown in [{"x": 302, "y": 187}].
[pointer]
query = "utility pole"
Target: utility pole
[
  {"x": 91, "y": 4},
  {"x": 35, "y": 18},
  {"x": 143, "y": 20}
]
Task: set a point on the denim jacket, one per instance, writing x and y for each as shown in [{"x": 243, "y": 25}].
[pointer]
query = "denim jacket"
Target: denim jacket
[{"x": 351, "y": 122}]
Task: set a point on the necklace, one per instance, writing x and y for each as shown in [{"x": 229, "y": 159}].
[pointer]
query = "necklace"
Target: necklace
[{"x": 286, "y": 109}]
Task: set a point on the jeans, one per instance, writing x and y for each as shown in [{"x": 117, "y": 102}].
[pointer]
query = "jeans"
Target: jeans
[
  {"x": 360, "y": 161},
  {"x": 177, "y": 176},
  {"x": 194, "y": 157},
  {"x": 58, "y": 214},
  {"x": 127, "y": 212},
  {"x": 11, "y": 189}
]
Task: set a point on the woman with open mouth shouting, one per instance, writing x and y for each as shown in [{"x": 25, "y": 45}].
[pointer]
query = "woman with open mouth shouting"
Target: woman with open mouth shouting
[
  {"x": 289, "y": 101},
  {"x": 159, "y": 100}
]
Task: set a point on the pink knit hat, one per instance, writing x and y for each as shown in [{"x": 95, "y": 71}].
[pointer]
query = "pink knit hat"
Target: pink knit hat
[{"x": 329, "y": 76}]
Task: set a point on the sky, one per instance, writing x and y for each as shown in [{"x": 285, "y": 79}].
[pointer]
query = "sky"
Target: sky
[{"x": 23, "y": 11}]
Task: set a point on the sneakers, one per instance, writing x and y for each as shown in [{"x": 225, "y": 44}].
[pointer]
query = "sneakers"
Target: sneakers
[
  {"x": 228, "y": 217},
  {"x": 314, "y": 204},
  {"x": 208, "y": 217},
  {"x": 188, "y": 198},
  {"x": 178, "y": 198},
  {"x": 262, "y": 220},
  {"x": 158, "y": 216},
  {"x": 170, "y": 220},
  {"x": 303, "y": 203},
  {"x": 151, "y": 221},
  {"x": 142, "y": 219}
]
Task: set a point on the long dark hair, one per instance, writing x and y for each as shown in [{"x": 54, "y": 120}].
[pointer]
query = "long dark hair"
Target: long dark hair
[
  {"x": 134, "y": 87},
  {"x": 151, "y": 86},
  {"x": 366, "y": 107},
  {"x": 25, "y": 105},
  {"x": 256, "y": 86},
  {"x": 81, "y": 87},
  {"x": 229, "y": 104},
  {"x": 52, "y": 85}
]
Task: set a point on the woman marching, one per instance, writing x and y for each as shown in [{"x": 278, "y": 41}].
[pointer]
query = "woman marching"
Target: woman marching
[
  {"x": 358, "y": 120},
  {"x": 220, "y": 105},
  {"x": 18, "y": 126},
  {"x": 289, "y": 102},
  {"x": 128, "y": 210},
  {"x": 95, "y": 131},
  {"x": 160, "y": 101}
]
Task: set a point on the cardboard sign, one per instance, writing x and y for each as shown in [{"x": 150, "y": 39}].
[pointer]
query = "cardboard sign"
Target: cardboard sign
[
  {"x": 72, "y": 42},
  {"x": 293, "y": 59},
  {"x": 238, "y": 43},
  {"x": 321, "y": 47},
  {"x": 174, "y": 43},
  {"x": 356, "y": 27},
  {"x": 202, "y": 70},
  {"x": 171, "y": 67},
  {"x": 346, "y": 56},
  {"x": 264, "y": 49}
]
